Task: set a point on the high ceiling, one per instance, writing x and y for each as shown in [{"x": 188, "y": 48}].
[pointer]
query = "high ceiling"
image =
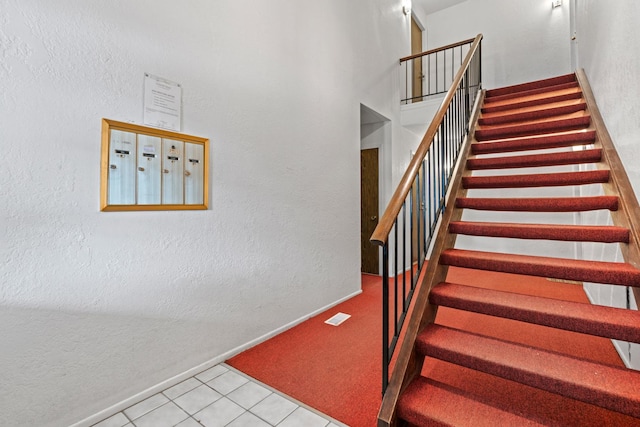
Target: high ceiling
[{"x": 430, "y": 6}]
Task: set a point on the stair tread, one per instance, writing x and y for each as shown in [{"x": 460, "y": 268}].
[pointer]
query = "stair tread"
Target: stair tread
[
  {"x": 536, "y": 160},
  {"x": 538, "y": 121},
  {"x": 449, "y": 406},
  {"x": 556, "y": 140},
  {"x": 557, "y": 95},
  {"x": 608, "y": 322},
  {"x": 574, "y": 233},
  {"x": 537, "y": 112},
  {"x": 536, "y": 180},
  {"x": 613, "y": 273},
  {"x": 543, "y": 84},
  {"x": 533, "y": 127},
  {"x": 539, "y": 204},
  {"x": 607, "y": 386},
  {"x": 494, "y": 99}
]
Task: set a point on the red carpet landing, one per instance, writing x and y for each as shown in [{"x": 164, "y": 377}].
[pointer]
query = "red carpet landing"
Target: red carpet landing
[{"x": 337, "y": 371}]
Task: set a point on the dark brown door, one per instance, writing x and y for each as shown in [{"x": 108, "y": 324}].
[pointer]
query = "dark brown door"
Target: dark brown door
[
  {"x": 368, "y": 209},
  {"x": 416, "y": 47}
]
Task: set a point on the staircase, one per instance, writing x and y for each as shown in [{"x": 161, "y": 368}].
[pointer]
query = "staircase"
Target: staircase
[{"x": 538, "y": 126}]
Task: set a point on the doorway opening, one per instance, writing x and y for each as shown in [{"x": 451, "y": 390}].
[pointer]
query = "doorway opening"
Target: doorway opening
[
  {"x": 418, "y": 67},
  {"x": 375, "y": 140}
]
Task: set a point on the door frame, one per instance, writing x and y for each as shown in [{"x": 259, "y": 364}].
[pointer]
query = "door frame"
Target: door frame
[
  {"x": 418, "y": 65},
  {"x": 375, "y": 132}
]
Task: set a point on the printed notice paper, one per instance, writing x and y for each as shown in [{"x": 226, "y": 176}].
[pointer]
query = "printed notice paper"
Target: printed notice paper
[{"x": 162, "y": 103}]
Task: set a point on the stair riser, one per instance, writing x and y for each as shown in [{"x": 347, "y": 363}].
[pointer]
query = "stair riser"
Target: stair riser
[
  {"x": 539, "y": 232},
  {"x": 555, "y": 159},
  {"x": 607, "y": 322},
  {"x": 532, "y": 103},
  {"x": 558, "y": 269},
  {"x": 543, "y": 180},
  {"x": 532, "y": 129},
  {"x": 531, "y": 115},
  {"x": 576, "y": 204},
  {"x": 544, "y": 84},
  {"x": 535, "y": 143},
  {"x": 514, "y": 96}
]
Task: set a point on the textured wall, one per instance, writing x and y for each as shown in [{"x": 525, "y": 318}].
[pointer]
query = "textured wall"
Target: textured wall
[
  {"x": 608, "y": 38},
  {"x": 95, "y": 307},
  {"x": 523, "y": 40}
]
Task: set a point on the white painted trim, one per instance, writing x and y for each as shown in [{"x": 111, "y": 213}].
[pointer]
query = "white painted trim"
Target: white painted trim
[
  {"x": 384, "y": 163},
  {"x": 624, "y": 355},
  {"x": 136, "y": 398}
]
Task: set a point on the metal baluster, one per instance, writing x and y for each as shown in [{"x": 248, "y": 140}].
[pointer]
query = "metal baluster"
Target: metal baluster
[
  {"x": 395, "y": 282},
  {"x": 423, "y": 217},
  {"x": 385, "y": 316},
  {"x": 404, "y": 260},
  {"x": 406, "y": 82},
  {"x": 415, "y": 211},
  {"x": 445, "y": 72}
]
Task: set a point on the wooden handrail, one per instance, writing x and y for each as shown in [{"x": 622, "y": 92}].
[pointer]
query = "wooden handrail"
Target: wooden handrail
[
  {"x": 381, "y": 233},
  {"x": 436, "y": 50},
  {"x": 629, "y": 214}
]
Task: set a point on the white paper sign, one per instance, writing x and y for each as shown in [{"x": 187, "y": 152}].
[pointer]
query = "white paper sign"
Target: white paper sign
[{"x": 162, "y": 103}]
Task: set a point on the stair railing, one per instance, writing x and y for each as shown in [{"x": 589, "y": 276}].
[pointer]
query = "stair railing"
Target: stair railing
[
  {"x": 410, "y": 220},
  {"x": 432, "y": 71},
  {"x": 628, "y": 214}
]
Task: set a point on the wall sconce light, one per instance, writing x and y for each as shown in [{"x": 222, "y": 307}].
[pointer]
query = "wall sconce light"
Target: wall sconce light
[
  {"x": 556, "y": 3},
  {"x": 406, "y": 10}
]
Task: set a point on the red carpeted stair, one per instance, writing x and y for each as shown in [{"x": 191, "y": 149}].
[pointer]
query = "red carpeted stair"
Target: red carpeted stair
[
  {"x": 485, "y": 376},
  {"x": 583, "y": 233},
  {"x": 534, "y": 160}
]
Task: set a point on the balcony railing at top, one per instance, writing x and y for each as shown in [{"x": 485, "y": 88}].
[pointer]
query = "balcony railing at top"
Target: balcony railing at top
[
  {"x": 409, "y": 222},
  {"x": 432, "y": 72}
]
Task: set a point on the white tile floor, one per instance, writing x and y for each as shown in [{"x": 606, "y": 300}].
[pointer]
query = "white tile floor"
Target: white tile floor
[{"x": 220, "y": 396}]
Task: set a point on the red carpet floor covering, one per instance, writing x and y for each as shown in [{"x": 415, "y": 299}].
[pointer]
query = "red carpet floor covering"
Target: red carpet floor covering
[{"x": 337, "y": 371}]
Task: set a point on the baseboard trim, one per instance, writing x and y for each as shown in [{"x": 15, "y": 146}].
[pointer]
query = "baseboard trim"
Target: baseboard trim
[{"x": 138, "y": 397}]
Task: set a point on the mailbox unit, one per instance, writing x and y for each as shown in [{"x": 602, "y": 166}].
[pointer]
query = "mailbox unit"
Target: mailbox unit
[{"x": 145, "y": 168}]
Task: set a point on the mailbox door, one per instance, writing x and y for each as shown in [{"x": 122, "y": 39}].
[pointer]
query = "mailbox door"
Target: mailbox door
[
  {"x": 122, "y": 168},
  {"x": 172, "y": 172},
  {"x": 149, "y": 170},
  {"x": 193, "y": 174}
]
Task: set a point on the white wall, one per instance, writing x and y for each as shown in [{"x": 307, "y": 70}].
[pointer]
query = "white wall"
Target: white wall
[
  {"x": 524, "y": 40},
  {"x": 608, "y": 39},
  {"x": 95, "y": 307}
]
